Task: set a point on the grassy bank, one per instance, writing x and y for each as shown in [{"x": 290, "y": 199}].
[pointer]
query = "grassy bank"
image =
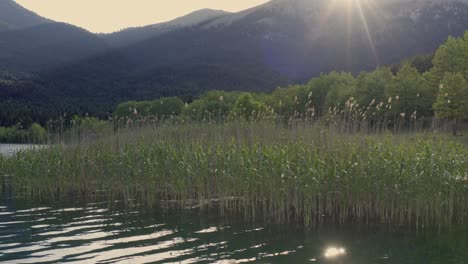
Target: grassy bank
[
  {"x": 34, "y": 134},
  {"x": 304, "y": 174}
]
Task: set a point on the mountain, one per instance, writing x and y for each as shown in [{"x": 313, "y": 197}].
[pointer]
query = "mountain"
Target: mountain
[
  {"x": 30, "y": 43},
  {"x": 46, "y": 47},
  {"x": 133, "y": 35},
  {"x": 277, "y": 43},
  {"x": 14, "y": 16},
  {"x": 302, "y": 38}
]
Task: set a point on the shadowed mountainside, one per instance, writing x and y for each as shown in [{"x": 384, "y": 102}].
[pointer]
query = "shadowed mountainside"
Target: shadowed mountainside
[
  {"x": 277, "y": 43},
  {"x": 14, "y": 16}
]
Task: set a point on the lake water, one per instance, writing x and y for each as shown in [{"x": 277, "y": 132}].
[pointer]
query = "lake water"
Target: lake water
[
  {"x": 57, "y": 233},
  {"x": 10, "y": 149}
]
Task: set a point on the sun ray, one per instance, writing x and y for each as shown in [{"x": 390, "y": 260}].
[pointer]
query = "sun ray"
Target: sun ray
[
  {"x": 349, "y": 29},
  {"x": 327, "y": 15},
  {"x": 368, "y": 33},
  {"x": 352, "y": 11}
]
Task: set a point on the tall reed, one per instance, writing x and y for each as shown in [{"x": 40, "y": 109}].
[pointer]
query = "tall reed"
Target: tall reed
[{"x": 305, "y": 172}]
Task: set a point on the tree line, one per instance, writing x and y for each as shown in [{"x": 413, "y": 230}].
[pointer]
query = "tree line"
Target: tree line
[{"x": 419, "y": 88}]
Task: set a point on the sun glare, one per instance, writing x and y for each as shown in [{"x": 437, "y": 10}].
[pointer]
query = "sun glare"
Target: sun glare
[
  {"x": 334, "y": 252},
  {"x": 349, "y": 1},
  {"x": 354, "y": 10}
]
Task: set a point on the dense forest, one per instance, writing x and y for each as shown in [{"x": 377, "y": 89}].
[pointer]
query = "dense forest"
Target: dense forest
[
  {"x": 50, "y": 69},
  {"x": 419, "y": 88}
]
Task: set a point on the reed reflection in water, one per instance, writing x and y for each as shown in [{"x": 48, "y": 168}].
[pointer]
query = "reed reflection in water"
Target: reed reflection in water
[{"x": 93, "y": 233}]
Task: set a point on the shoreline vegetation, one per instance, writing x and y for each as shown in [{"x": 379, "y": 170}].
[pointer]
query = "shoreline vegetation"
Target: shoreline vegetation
[
  {"x": 424, "y": 88},
  {"x": 336, "y": 150},
  {"x": 35, "y": 134},
  {"x": 308, "y": 172}
]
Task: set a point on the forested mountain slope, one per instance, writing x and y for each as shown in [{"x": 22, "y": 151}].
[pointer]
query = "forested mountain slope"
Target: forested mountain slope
[
  {"x": 133, "y": 35},
  {"x": 14, "y": 16},
  {"x": 277, "y": 43}
]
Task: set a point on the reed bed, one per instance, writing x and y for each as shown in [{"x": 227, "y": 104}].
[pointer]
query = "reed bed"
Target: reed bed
[{"x": 304, "y": 173}]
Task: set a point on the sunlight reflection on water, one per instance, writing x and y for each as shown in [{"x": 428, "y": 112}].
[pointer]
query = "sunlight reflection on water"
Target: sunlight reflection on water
[
  {"x": 11, "y": 149},
  {"x": 97, "y": 234},
  {"x": 334, "y": 252}
]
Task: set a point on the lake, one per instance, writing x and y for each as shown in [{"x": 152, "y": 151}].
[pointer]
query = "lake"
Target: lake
[
  {"x": 10, "y": 149},
  {"x": 76, "y": 233}
]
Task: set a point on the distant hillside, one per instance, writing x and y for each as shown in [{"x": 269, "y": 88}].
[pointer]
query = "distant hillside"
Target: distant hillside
[
  {"x": 277, "y": 43},
  {"x": 282, "y": 40},
  {"x": 14, "y": 16},
  {"x": 46, "y": 47},
  {"x": 30, "y": 43},
  {"x": 137, "y": 34}
]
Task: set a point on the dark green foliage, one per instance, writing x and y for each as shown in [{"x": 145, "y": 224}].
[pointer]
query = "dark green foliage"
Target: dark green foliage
[
  {"x": 452, "y": 57},
  {"x": 166, "y": 107},
  {"x": 452, "y": 102},
  {"x": 212, "y": 105},
  {"x": 395, "y": 99},
  {"x": 185, "y": 63},
  {"x": 370, "y": 86},
  {"x": 247, "y": 107},
  {"x": 290, "y": 101},
  {"x": 13, "y": 114},
  {"x": 330, "y": 90},
  {"x": 450, "y": 75},
  {"x": 88, "y": 124},
  {"x": 132, "y": 108},
  {"x": 255, "y": 56},
  {"x": 34, "y": 134},
  {"x": 407, "y": 92},
  {"x": 422, "y": 63},
  {"x": 161, "y": 108}
]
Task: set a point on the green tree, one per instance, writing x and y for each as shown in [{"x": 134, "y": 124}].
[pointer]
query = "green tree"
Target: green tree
[
  {"x": 87, "y": 126},
  {"x": 341, "y": 89},
  {"x": 330, "y": 90},
  {"x": 408, "y": 93},
  {"x": 161, "y": 108},
  {"x": 132, "y": 109},
  {"x": 290, "y": 101},
  {"x": 452, "y": 102},
  {"x": 370, "y": 86},
  {"x": 37, "y": 134},
  {"x": 211, "y": 105},
  {"x": 166, "y": 107},
  {"x": 452, "y": 56},
  {"x": 247, "y": 107}
]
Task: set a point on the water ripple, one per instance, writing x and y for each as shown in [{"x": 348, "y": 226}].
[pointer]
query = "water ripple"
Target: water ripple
[{"x": 95, "y": 234}]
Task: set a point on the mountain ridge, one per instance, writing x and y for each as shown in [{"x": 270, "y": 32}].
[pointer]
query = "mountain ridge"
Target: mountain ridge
[
  {"x": 258, "y": 49},
  {"x": 13, "y": 16},
  {"x": 135, "y": 34},
  {"x": 36, "y": 44}
]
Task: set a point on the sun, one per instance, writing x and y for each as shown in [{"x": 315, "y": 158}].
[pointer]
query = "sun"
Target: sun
[{"x": 346, "y": 2}]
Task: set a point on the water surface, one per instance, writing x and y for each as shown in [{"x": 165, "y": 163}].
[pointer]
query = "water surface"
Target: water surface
[
  {"x": 10, "y": 149},
  {"x": 51, "y": 233}
]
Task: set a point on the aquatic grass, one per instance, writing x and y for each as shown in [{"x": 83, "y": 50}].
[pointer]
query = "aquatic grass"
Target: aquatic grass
[{"x": 305, "y": 174}]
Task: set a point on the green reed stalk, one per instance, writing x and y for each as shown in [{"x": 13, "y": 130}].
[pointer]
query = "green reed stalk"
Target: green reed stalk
[{"x": 307, "y": 174}]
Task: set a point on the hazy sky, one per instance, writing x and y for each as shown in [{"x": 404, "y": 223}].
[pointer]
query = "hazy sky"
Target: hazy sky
[{"x": 112, "y": 15}]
